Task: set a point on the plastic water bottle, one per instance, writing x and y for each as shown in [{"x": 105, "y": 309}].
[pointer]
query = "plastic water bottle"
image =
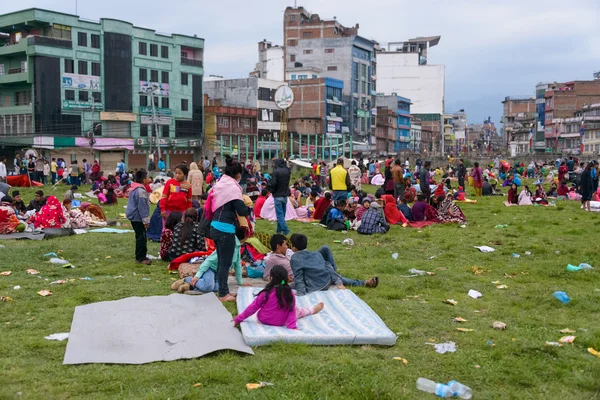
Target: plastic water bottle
[
  {"x": 439, "y": 389},
  {"x": 460, "y": 390}
]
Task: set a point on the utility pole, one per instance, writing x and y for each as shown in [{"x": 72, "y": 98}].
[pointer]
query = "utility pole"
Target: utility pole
[
  {"x": 154, "y": 123},
  {"x": 92, "y": 140}
]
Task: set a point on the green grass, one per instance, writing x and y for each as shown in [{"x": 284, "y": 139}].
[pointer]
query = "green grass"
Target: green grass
[{"x": 518, "y": 365}]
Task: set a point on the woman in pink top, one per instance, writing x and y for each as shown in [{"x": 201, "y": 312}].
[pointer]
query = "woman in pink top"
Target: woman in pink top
[{"x": 277, "y": 309}]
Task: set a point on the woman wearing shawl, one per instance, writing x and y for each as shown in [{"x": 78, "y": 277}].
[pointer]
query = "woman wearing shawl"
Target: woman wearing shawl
[
  {"x": 8, "y": 219},
  {"x": 525, "y": 197},
  {"x": 393, "y": 216},
  {"x": 512, "y": 195},
  {"x": 448, "y": 211},
  {"x": 354, "y": 173},
  {"x": 196, "y": 178},
  {"x": 540, "y": 195},
  {"x": 51, "y": 215}
]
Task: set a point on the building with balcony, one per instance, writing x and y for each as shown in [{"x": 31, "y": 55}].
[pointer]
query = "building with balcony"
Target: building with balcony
[
  {"x": 385, "y": 131},
  {"x": 230, "y": 130},
  {"x": 400, "y": 106},
  {"x": 65, "y": 81},
  {"x": 517, "y": 111}
]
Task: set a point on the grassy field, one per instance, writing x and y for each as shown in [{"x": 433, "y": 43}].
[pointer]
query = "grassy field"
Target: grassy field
[{"x": 514, "y": 363}]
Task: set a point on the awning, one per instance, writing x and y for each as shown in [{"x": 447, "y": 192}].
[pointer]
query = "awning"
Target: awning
[{"x": 105, "y": 143}]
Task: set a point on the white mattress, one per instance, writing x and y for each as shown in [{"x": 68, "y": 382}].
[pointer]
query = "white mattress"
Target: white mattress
[{"x": 345, "y": 320}]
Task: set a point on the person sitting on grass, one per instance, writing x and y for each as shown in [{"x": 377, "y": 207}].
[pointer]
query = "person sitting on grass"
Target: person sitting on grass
[
  {"x": 513, "y": 198},
  {"x": 553, "y": 191},
  {"x": 278, "y": 257},
  {"x": 138, "y": 212},
  {"x": 276, "y": 303},
  {"x": 260, "y": 202},
  {"x": 540, "y": 196},
  {"x": 525, "y": 197},
  {"x": 37, "y": 203},
  {"x": 166, "y": 238},
  {"x": 405, "y": 209},
  {"x": 321, "y": 205},
  {"x": 360, "y": 211},
  {"x": 186, "y": 235},
  {"x": 461, "y": 195},
  {"x": 316, "y": 270},
  {"x": 373, "y": 222},
  {"x": 562, "y": 191},
  {"x": 69, "y": 193},
  {"x": 335, "y": 219},
  {"x": 18, "y": 203},
  {"x": 205, "y": 280}
]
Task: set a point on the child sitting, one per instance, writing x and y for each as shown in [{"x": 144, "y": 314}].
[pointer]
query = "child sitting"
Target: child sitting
[
  {"x": 260, "y": 202},
  {"x": 460, "y": 194},
  {"x": 69, "y": 193},
  {"x": 335, "y": 219},
  {"x": 278, "y": 257},
  {"x": 372, "y": 220},
  {"x": 405, "y": 209},
  {"x": 276, "y": 303},
  {"x": 166, "y": 238}
]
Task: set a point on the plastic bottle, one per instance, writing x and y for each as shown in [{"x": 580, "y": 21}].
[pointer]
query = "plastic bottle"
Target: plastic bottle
[
  {"x": 460, "y": 390},
  {"x": 439, "y": 389}
]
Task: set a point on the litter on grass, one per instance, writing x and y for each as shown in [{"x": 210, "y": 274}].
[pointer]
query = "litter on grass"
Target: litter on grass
[
  {"x": 451, "y": 301},
  {"x": 527, "y": 253},
  {"x": 464, "y": 330},
  {"x": 499, "y": 325},
  {"x": 562, "y": 297},
  {"x": 580, "y": 267},
  {"x": 459, "y": 319},
  {"x": 416, "y": 271},
  {"x": 554, "y": 344},
  {"x": 57, "y": 336},
  {"x": 404, "y": 360},
  {"x": 567, "y": 330},
  {"x": 485, "y": 249},
  {"x": 594, "y": 352},
  {"x": 515, "y": 255},
  {"x": 5, "y": 273},
  {"x": 44, "y": 293},
  {"x": 474, "y": 294},
  {"x": 567, "y": 339},
  {"x": 253, "y": 386},
  {"x": 60, "y": 261},
  {"x": 5, "y": 298},
  {"x": 51, "y": 255},
  {"x": 151, "y": 257},
  {"x": 395, "y": 256},
  {"x": 17, "y": 287},
  {"x": 501, "y": 287},
  {"x": 447, "y": 347},
  {"x": 59, "y": 282},
  {"x": 32, "y": 271}
]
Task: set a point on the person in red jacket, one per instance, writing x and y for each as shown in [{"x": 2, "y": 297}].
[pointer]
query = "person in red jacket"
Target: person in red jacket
[
  {"x": 321, "y": 205},
  {"x": 177, "y": 194}
]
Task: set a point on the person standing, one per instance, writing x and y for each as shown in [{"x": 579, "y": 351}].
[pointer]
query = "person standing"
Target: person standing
[
  {"x": 424, "y": 179},
  {"x": 53, "y": 170},
  {"x": 562, "y": 171},
  {"x": 586, "y": 187},
  {"x": 407, "y": 165},
  {"x": 477, "y": 175},
  {"x": 87, "y": 171},
  {"x": 31, "y": 168},
  {"x": 161, "y": 165},
  {"x": 570, "y": 164},
  {"x": 398, "y": 177},
  {"x": 226, "y": 205},
  {"x": 323, "y": 174},
  {"x": 39, "y": 170},
  {"x": 138, "y": 212},
  {"x": 121, "y": 167},
  {"x": 280, "y": 189},
  {"x": 418, "y": 165},
  {"x": 177, "y": 194},
  {"x": 339, "y": 181},
  {"x": 17, "y": 164},
  {"x": 206, "y": 163},
  {"x": 3, "y": 172},
  {"x": 196, "y": 179},
  {"x": 355, "y": 174},
  {"x": 594, "y": 173},
  {"x": 461, "y": 172},
  {"x": 46, "y": 172}
]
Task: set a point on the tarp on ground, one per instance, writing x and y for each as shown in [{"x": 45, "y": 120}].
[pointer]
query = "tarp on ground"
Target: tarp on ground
[{"x": 21, "y": 181}]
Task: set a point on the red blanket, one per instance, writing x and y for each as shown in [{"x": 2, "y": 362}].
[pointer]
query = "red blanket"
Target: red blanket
[{"x": 210, "y": 246}]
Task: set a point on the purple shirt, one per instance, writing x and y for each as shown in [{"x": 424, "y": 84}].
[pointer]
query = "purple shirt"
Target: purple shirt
[
  {"x": 418, "y": 211},
  {"x": 269, "y": 312}
]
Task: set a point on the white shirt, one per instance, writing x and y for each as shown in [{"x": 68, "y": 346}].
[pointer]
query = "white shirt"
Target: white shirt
[
  {"x": 2, "y": 170},
  {"x": 407, "y": 164}
]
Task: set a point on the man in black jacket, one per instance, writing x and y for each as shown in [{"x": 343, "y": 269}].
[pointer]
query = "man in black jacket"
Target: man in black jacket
[
  {"x": 461, "y": 172},
  {"x": 280, "y": 189}
]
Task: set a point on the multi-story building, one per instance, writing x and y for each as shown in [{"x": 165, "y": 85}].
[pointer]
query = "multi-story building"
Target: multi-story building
[
  {"x": 539, "y": 144},
  {"x": 270, "y": 62},
  {"x": 403, "y": 67},
  {"x": 590, "y": 115},
  {"x": 385, "y": 131},
  {"x": 448, "y": 134},
  {"x": 415, "y": 135},
  {"x": 570, "y": 131},
  {"x": 459, "y": 130},
  {"x": 251, "y": 93},
  {"x": 475, "y": 138},
  {"x": 338, "y": 52},
  {"x": 315, "y": 118},
  {"x": 518, "y": 113},
  {"x": 64, "y": 80},
  {"x": 400, "y": 106},
  {"x": 426, "y": 139},
  {"x": 562, "y": 101},
  {"x": 230, "y": 130}
]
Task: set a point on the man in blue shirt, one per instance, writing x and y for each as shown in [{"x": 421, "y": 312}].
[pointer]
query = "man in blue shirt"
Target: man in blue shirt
[
  {"x": 570, "y": 164},
  {"x": 161, "y": 165},
  {"x": 121, "y": 167}
]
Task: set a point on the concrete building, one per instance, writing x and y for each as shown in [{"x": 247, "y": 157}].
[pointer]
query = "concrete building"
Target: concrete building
[
  {"x": 426, "y": 139},
  {"x": 400, "y": 106},
  {"x": 337, "y": 52},
  {"x": 459, "y": 130},
  {"x": 517, "y": 116},
  {"x": 250, "y": 93},
  {"x": 415, "y": 135},
  {"x": 270, "y": 62},
  {"x": 63, "y": 78},
  {"x": 590, "y": 114},
  {"x": 539, "y": 144},
  {"x": 315, "y": 118},
  {"x": 403, "y": 67}
]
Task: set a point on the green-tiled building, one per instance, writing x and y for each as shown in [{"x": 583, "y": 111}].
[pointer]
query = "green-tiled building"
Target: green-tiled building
[{"x": 62, "y": 78}]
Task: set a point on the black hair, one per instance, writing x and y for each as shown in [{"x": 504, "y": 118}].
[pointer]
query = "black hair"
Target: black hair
[
  {"x": 276, "y": 240},
  {"x": 283, "y": 291},
  {"x": 16, "y": 193},
  {"x": 314, "y": 193},
  {"x": 403, "y": 200},
  {"x": 328, "y": 195},
  {"x": 183, "y": 168},
  {"x": 232, "y": 167},
  {"x": 140, "y": 176},
  {"x": 299, "y": 241},
  {"x": 74, "y": 188},
  {"x": 264, "y": 192},
  {"x": 172, "y": 220},
  {"x": 340, "y": 203},
  {"x": 421, "y": 197},
  {"x": 240, "y": 233},
  {"x": 476, "y": 164},
  {"x": 7, "y": 199},
  {"x": 353, "y": 162},
  {"x": 39, "y": 193},
  {"x": 190, "y": 217}
]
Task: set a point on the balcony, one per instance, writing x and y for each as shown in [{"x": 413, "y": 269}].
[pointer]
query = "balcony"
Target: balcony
[
  {"x": 7, "y": 49},
  {"x": 192, "y": 62},
  {"x": 49, "y": 41},
  {"x": 15, "y": 75}
]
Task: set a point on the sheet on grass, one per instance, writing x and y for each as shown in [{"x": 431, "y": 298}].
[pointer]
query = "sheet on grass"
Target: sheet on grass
[
  {"x": 139, "y": 330},
  {"x": 345, "y": 320},
  {"x": 110, "y": 230},
  {"x": 23, "y": 235}
]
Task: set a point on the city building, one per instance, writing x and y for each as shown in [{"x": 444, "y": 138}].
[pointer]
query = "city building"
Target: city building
[
  {"x": 426, "y": 139},
  {"x": 459, "y": 130},
  {"x": 249, "y": 93},
  {"x": 569, "y": 131},
  {"x": 539, "y": 144},
  {"x": 334, "y": 51},
  {"x": 315, "y": 121},
  {"x": 270, "y": 62},
  {"x": 590, "y": 115},
  {"x": 448, "y": 134},
  {"x": 65, "y": 81},
  {"x": 562, "y": 101},
  {"x": 415, "y": 135},
  {"x": 517, "y": 117},
  {"x": 403, "y": 67},
  {"x": 400, "y": 106},
  {"x": 385, "y": 131}
]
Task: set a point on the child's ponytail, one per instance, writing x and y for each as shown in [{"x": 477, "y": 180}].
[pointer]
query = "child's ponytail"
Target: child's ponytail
[
  {"x": 191, "y": 216},
  {"x": 283, "y": 291}
]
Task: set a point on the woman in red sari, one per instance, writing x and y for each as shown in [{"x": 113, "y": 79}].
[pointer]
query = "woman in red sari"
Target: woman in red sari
[
  {"x": 51, "y": 215},
  {"x": 393, "y": 216}
]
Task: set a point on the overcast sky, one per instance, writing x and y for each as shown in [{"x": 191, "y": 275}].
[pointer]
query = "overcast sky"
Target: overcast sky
[{"x": 491, "y": 49}]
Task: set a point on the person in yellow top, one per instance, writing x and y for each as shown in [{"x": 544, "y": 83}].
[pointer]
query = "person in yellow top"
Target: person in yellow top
[
  {"x": 339, "y": 181},
  {"x": 53, "y": 170}
]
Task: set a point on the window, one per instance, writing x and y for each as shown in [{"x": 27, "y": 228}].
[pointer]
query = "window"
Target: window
[
  {"x": 95, "y": 39},
  {"x": 184, "y": 79},
  {"x": 83, "y": 96},
  {"x": 143, "y": 101},
  {"x": 223, "y": 122},
  {"x": 69, "y": 95},
  {"x": 164, "y": 131},
  {"x": 82, "y": 39},
  {"x": 1, "y": 69},
  {"x": 164, "y": 51},
  {"x": 364, "y": 87},
  {"x": 143, "y": 48},
  {"x": 292, "y": 57},
  {"x": 300, "y": 77},
  {"x": 184, "y": 105},
  {"x": 329, "y": 51},
  {"x": 292, "y": 18},
  {"x": 246, "y": 123},
  {"x": 96, "y": 69},
  {"x": 307, "y": 34},
  {"x": 292, "y": 42},
  {"x": 332, "y": 68},
  {"x": 155, "y": 101},
  {"x": 143, "y": 130},
  {"x": 97, "y": 97},
  {"x": 364, "y": 71},
  {"x": 143, "y": 74},
  {"x": 307, "y": 52},
  {"x": 82, "y": 68},
  {"x": 69, "y": 66},
  {"x": 164, "y": 102},
  {"x": 164, "y": 77},
  {"x": 154, "y": 50},
  {"x": 293, "y": 77},
  {"x": 265, "y": 94},
  {"x": 314, "y": 76},
  {"x": 23, "y": 98},
  {"x": 153, "y": 75}
]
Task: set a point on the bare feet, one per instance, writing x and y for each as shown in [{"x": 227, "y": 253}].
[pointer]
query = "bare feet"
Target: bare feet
[
  {"x": 227, "y": 298},
  {"x": 318, "y": 308},
  {"x": 177, "y": 284},
  {"x": 183, "y": 288}
]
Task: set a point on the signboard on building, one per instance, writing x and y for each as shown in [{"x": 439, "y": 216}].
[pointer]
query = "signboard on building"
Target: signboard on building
[
  {"x": 159, "y": 111},
  {"x": 157, "y": 88},
  {"x": 284, "y": 97},
  {"x": 159, "y": 119},
  {"x": 80, "y": 105},
  {"x": 331, "y": 128},
  {"x": 269, "y": 145},
  {"x": 308, "y": 149},
  {"x": 334, "y": 135},
  {"x": 361, "y": 113},
  {"x": 75, "y": 81},
  {"x": 118, "y": 116}
]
